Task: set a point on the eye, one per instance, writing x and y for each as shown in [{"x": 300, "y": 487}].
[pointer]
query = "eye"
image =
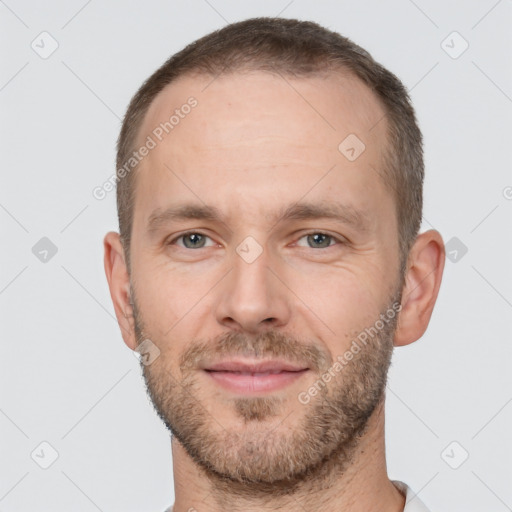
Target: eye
[
  {"x": 191, "y": 240},
  {"x": 314, "y": 240},
  {"x": 319, "y": 240}
]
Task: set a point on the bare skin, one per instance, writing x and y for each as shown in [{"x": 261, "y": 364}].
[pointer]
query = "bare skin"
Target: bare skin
[{"x": 254, "y": 145}]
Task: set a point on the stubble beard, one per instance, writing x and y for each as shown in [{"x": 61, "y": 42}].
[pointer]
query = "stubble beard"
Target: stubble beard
[{"x": 267, "y": 455}]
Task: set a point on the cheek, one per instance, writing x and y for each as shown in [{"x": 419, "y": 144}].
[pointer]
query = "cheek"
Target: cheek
[
  {"x": 164, "y": 300},
  {"x": 334, "y": 306},
  {"x": 354, "y": 288}
]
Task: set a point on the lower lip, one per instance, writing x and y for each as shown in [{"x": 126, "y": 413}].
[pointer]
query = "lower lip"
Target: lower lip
[{"x": 254, "y": 383}]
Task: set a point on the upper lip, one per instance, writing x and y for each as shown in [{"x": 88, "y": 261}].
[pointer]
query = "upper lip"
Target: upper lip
[{"x": 238, "y": 365}]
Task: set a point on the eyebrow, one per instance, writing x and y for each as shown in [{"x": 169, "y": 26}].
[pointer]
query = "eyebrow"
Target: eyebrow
[{"x": 347, "y": 214}]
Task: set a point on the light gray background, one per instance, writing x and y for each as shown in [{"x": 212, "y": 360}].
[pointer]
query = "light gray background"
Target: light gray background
[{"x": 66, "y": 376}]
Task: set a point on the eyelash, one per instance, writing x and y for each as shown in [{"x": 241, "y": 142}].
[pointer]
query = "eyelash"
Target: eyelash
[{"x": 336, "y": 239}]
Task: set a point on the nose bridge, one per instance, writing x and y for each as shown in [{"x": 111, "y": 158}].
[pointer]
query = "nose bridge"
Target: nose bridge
[{"x": 251, "y": 296}]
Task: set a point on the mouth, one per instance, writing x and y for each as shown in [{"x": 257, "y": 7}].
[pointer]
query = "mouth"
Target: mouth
[{"x": 247, "y": 377}]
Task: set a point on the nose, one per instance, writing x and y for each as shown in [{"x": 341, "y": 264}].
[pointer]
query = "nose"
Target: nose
[{"x": 251, "y": 298}]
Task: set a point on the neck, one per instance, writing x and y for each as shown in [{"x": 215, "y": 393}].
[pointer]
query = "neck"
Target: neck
[{"x": 362, "y": 486}]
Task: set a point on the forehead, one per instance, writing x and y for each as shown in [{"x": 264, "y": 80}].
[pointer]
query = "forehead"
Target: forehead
[
  {"x": 256, "y": 130},
  {"x": 242, "y": 105}
]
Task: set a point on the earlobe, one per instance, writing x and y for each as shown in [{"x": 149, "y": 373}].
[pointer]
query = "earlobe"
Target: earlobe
[
  {"x": 421, "y": 287},
  {"x": 119, "y": 285}
]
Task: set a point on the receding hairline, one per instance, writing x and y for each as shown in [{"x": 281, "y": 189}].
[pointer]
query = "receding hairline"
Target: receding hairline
[{"x": 334, "y": 71}]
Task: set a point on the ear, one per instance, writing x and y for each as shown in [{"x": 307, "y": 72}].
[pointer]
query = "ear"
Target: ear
[
  {"x": 119, "y": 285},
  {"x": 422, "y": 281}
]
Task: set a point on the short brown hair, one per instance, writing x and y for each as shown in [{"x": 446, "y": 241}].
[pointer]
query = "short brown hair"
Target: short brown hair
[{"x": 300, "y": 49}]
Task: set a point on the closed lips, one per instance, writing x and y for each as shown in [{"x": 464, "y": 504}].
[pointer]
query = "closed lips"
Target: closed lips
[
  {"x": 254, "y": 373},
  {"x": 262, "y": 368},
  {"x": 248, "y": 377}
]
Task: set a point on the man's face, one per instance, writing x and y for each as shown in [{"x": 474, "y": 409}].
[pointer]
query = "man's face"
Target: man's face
[{"x": 219, "y": 295}]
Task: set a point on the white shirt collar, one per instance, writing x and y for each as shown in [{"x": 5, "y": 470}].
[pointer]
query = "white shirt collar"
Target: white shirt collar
[{"x": 412, "y": 502}]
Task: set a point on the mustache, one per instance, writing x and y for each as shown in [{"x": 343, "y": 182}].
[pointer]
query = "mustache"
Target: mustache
[{"x": 270, "y": 344}]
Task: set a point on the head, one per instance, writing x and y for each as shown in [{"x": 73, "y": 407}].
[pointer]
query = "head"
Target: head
[{"x": 273, "y": 215}]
